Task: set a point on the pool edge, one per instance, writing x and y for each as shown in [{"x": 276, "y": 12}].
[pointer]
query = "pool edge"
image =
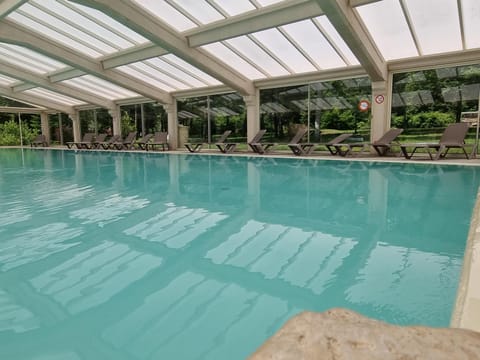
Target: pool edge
[{"x": 466, "y": 312}]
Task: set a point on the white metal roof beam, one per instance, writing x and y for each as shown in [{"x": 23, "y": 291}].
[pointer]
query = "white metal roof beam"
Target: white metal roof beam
[
  {"x": 8, "y": 6},
  {"x": 456, "y": 58},
  {"x": 271, "y": 16},
  {"x": 147, "y": 25},
  {"x": 137, "y": 53},
  {"x": 354, "y": 34},
  {"x": 354, "y": 3},
  {"x": 32, "y": 78},
  {"x": 16, "y": 34},
  {"x": 36, "y": 101},
  {"x": 65, "y": 74}
]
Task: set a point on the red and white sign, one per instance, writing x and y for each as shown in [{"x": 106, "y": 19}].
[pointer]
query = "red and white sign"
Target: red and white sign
[
  {"x": 363, "y": 105},
  {"x": 379, "y": 99}
]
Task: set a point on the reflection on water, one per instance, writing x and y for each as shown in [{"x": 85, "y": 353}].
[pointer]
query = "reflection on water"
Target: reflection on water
[{"x": 151, "y": 256}]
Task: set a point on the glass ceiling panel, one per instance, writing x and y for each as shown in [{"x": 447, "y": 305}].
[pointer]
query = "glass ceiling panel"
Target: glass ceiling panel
[
  {"x": 235, "y": 7},
  {"x": 74, "y": 17},
  {"x": 229, "y": 57},
  {"x": 471, "y": 14},
  {"x": 200, "y": 10},
  {"x": 332, "y": 33},
  {"x": 388, "y": 28},
  {"x": 175, "y": 72},
  {"x": 314, "y": 44},
  {"x": 157, "y": 75},
  {"x": 251, "y": 50},
  {"x": 28, "y": 59},
  {"x": 100, "y": 87},
  {"x": 186, "y": 67},
  {"x": 283, "y": 49},
  {"x": 437, "y": 25},
  {"x": 44, "y": 30},
  {"x": 168, "y": 14},
  {"x": 53, "y": 96},
  {"x": 65, "y": 28},
  {"x": 132, "y": 71},
  {"x": 112, "y": 24}
]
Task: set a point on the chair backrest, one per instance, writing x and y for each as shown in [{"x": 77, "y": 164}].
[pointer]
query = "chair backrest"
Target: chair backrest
[
  {"x": 298, "y": 136},
  {"x": 100, "y": 137},
  {"x": 115, "y": 139},
  {"x": 455, "y": 133},
  {"x": 88, "y": 137},
  {"x": 258, "y": 137},
  {"x": 161, "y": 137},
  {"x": 339, "y": 139},
  {"x": 146, "y": 138},
  {"x": 39, "y": 139},
  {"x": 130, "y": 137},
  {"x": 224, "y": 136},
  {"x": 389, "y": 136}
]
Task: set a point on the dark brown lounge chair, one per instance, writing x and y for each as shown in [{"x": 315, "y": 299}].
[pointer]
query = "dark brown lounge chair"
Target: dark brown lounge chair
[
  {"x": 86, "y": 142},
  {"x": 223, "y": 146},
  {"x": 381, "y": 146},
  {"x": 40, "y": 140},
  {"x": 336, "y": 140},
  {"x": 159, "y": 139},
  {"x": 259, "y": 147},
  {"x": 109, "y": 143},
  {"x": 452, "y": 137},
  {"x": 142, "y": 143},
  {"x": 100, "y": 138},
  {"x": 126, "y": 143},
  {"x": 299, "y": 148}
]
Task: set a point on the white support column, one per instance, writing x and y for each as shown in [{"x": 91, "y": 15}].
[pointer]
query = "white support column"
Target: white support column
[
  {"x": 75, "y": 117},
  {"x": 116, "y": 120},
  {"x": 45, "y": 126},
  {"x": 253, "y": 115},
  {"x": 172, "y": 126},
  {"x": 381, "y": 105}
]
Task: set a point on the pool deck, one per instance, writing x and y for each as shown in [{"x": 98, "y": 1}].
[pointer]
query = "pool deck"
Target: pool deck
[{"x": 466, "y": 313}]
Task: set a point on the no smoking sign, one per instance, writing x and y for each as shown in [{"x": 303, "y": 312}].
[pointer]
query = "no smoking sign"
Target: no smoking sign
[{"x": 379, "y": 99}]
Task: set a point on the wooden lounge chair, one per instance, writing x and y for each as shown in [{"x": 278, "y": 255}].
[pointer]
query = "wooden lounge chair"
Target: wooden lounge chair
[
  {"x": 381, "y": 145},
  {"x": 86, "y": 142},
  {"x": 159, "y": 139},
  {"x": 126, "y": 143},
  {"x": 223, "y": 146},
  {"x": 336, "y": 140},
  {"x": 194, "y": 147},
  {"x": 142, "y": 143},
  {"x": 39, "y": 140},
  {"x": 452, "y": 137},
  {"x": 259, "y": 147},
  {"x": 100, "y": 138},
  {"x": 299, "y": 148},
  {"x": 109, "y": 143}
]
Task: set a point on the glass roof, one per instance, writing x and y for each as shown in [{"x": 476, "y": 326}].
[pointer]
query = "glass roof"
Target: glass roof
[
  {"x": 101, "y": 87},
  {"x": 53, "y": 96},
  {"x": 294, "y": 43}
]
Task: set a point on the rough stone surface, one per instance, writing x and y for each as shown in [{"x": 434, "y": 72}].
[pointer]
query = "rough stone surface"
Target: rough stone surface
[{"x": 343, "y": 334}]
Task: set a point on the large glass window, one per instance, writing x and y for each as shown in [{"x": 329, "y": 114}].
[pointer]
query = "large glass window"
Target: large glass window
[
  {"x": 144, "y": 118},
  {"x": 325, "y": 108},
  {"x": 425, "y": 102},
  {"x": 208, "y": 117}
]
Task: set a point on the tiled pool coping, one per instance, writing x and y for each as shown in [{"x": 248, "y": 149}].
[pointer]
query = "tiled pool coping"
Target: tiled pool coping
[{"x": 466, "y": 313}]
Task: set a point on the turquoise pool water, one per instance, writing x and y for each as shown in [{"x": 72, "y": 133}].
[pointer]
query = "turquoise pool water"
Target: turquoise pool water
[{"x": 107, "y": 255}]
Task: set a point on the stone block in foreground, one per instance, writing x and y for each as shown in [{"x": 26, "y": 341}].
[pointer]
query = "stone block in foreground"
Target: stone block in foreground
[{"x": 343, "y": 334}]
